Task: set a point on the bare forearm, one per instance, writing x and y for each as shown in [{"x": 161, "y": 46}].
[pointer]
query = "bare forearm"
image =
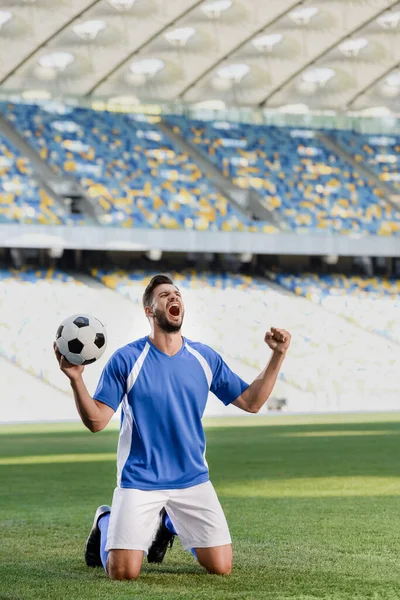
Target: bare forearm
[
  {"x": 260, "y": 390},
  {"x": 87, "y": 407}
]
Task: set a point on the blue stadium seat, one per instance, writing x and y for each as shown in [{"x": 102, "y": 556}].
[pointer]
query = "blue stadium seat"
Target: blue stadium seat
[
  {"x": 22, "y": 200},
  {"x": 371, "y": 302},
  {"x": 137, "y": 175},
  {"x": 296, "y": 175}
]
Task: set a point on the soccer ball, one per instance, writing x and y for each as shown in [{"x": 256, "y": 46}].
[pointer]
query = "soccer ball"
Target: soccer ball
[{"x": 81, "y": 339}]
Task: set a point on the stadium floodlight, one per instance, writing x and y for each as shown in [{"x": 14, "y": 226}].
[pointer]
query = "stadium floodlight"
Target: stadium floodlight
[
  {"x": 390, "y": 19},
  {"x": 393, "y": 80},
  {"x": 267, "y": 41},
  {"x": 246, "y": 257},
  {"x": 318, "y": 75},
  {"x": 303, "y": 14},
  {"x": 295, "y": 109},
  {"x": 89, "y": 30},
  {"x": 36, "y": 95},
  {"x": 234, "y": 72},
  {"x": 352, "y": 47},
  {"x": 210, "y": 105},
  {"x": 124, "y": 100},
  {"x": 179, "y": 36},
  {"x": 5, "y": 16},
  {"x": 122, "y": 5},
  {"x": 331, "y": 259},
  {"x": 214, "y": 8},
  {"x": 147, "y": 66},
  {"x": 56, "y": 252},
  {"x": 56, "y": 60},
  {"x": 389, "y": 91},
  {"x": 154, "y": 255},
  {"x": 376, "y": 111}
]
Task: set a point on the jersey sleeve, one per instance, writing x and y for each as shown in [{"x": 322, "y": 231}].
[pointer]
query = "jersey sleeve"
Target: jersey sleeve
[
  {"x": 226, "y": 385},
  {"x": 112, "y": 383}
]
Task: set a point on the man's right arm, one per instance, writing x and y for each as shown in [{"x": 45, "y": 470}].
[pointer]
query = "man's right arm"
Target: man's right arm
[{"x": 95, "y": 415}]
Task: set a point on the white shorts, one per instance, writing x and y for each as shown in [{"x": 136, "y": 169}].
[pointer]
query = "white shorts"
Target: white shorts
[{"x": 195, "y": 512}]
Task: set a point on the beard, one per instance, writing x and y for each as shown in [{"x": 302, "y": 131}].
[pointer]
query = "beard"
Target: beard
[{"x": 165, "y": 325}]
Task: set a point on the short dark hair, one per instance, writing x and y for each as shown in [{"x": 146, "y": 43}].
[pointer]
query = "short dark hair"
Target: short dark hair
[{"x": 153, "y": 283}]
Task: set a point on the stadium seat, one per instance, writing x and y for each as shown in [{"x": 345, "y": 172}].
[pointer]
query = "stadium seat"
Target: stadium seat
[
  {"x": 370, "y": 302},
  {"x": 297, "y": 176},
  {"x": 126, "y": 164},
  {"x": 22, "y": 200},
  {"x": 35, "y": 302},
  {"x": 379, "y": 153},
  {"x": 231, "y": 313},
  {"x": 330, "y": 357}
]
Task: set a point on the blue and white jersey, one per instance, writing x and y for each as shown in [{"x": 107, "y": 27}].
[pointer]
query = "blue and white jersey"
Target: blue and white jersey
[{"x": 162, "y": 442}]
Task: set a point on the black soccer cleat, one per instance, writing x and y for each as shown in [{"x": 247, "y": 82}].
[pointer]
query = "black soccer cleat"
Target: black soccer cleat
[
  {"x": 162, "y": 540},
  {"x": 92, "y": 546}
]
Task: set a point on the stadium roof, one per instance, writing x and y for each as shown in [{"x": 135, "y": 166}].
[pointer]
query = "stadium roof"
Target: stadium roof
[{"x": 322, "y": 55}]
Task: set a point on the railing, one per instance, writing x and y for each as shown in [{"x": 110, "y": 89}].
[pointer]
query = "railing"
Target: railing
[{"x": 314, "y": 120}]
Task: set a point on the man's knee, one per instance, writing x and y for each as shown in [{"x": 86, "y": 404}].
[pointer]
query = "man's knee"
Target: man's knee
[
  {"x": 222, "y": 567},
  {"x": 124, "y": 564},
  {"x": 121, "y": 572},
  {"x": 217, "y": 560}
]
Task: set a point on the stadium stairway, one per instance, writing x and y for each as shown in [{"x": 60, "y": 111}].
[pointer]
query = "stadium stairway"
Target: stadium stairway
[
  {"x": 60, "y": 188},
  {"x": 247, "y": 201},
  {"x": 389, "y": 194}
]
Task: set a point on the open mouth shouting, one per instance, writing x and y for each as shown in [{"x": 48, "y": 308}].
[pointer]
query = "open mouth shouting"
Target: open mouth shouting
[{"x": 174, "y": 310}]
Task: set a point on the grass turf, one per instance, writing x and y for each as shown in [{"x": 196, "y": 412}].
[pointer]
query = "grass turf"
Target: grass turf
[{"x": 313, "y": 504}]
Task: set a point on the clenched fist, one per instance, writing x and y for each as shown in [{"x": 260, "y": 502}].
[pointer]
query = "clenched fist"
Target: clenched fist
[{"x": 278, "y": 340}]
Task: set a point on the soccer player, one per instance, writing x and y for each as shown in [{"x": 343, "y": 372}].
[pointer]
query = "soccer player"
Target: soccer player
[{"x": 163, "y": 487}]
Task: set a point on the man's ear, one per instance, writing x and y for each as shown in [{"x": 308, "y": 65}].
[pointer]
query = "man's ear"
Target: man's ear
[{"x": 148, "y": 311}]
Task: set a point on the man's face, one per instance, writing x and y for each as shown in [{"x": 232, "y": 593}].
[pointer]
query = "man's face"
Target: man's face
[{"x": 168, "y": 309}]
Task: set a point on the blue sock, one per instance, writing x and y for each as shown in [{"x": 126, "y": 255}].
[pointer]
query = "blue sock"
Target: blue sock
[
  {"x": 168, "y": 524},
  {"x": 103, "y": 526}
]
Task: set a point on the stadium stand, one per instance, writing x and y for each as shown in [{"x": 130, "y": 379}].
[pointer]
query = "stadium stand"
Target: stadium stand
[
  {"x": 34, "y": 302},
  {"x": 22, "y": 200},
  {"x": 330, "y": 358},
  {"x": 333, "y": 364},
  {"x": 29, "y": 399},
  {"x": 380, "y": 153},
  {"x": 311, "y": 186},
  {"x": 137, "y": 175},
  {"x": 370, "y": 302},
  {"x": 141, "y": 178}
]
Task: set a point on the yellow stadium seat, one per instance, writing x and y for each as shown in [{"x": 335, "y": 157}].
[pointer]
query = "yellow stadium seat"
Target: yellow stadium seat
[
  {"x": 69, "y": 165},
  {"x": 226, "y": 226}
]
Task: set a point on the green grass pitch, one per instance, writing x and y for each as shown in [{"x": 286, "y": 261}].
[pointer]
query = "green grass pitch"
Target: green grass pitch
[{"x": 313, "y": 505}]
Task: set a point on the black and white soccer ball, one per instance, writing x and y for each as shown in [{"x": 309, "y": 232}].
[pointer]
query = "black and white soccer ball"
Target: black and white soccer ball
[{"x": 81, "y": 339}]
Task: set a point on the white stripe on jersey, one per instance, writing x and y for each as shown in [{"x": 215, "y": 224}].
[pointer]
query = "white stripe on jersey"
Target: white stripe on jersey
[
  {"x": 209, "y": 376},
  {"x": 204, "y": 364},
  {"x": 125, "y": 436},
  {"x": 130, "y": 382}
]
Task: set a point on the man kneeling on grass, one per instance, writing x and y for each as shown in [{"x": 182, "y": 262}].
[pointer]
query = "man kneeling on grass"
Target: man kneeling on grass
[{"x": 163, "y": 487}]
